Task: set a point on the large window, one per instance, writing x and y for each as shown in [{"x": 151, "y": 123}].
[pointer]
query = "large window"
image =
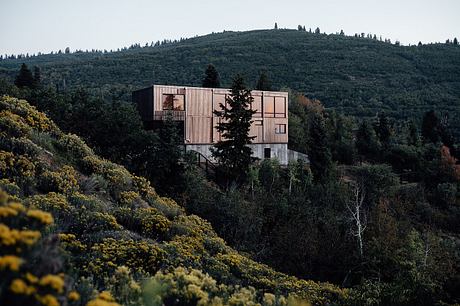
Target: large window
[
  {"x": 280, "y": 107},
  {"x": 275, "y": 107},
  {"x": 257, "y": 106},
  {"x": 173, "y": 102}
]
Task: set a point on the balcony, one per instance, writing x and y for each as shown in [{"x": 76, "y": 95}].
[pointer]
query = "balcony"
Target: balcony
[{"x": 173, "y": 114}]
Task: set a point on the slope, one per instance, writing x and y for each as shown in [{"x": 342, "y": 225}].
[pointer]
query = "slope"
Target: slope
[
  {"x": 358, "y": 76},
  {"x": 107, "y": 229}
]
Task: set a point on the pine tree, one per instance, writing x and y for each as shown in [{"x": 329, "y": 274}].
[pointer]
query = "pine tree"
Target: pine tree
[
  {"x": 366, "y": 140},
  {"x": 263, "y": 83},
  {"x": 37, "y": 76},
  {"x": 233, "y": 152},
  {"x": 413, "y": 136},
  {"x": 211, "y": 78},
  {"x": 319, "y": 150},
  {"x": 317, "y": 31},
  {"x": 276, "y": 26},
  {"x": 430, "y": 127},
  {"x": 24, "y": 78},
  {"x": 455, "y": 41},
  {"x": 383, "y": 129}
]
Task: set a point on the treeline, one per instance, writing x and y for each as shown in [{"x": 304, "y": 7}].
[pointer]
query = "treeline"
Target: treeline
[{"x": 358, "y": 77}]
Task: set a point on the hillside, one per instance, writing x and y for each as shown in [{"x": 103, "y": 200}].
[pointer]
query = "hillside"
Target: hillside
[
  {"x": 356, "y": 76},
  {"x": 73, "y": 224}
]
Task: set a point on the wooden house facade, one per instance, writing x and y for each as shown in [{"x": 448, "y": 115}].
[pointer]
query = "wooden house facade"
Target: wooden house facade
[{"x": 194, "y": 108}]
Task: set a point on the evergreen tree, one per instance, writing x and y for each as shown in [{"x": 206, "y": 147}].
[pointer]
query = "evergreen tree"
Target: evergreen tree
[
  {"x": 167, "y": 168},
  {"x": 24, "y": 78},
  {"x": 366, "y": 140},
  {"x": 383, "y": 129},
  {"x": 264, "y": 82},
  {"x": 211, "y": 78},
  {"x": 430, "y": 127},
  {"x": 317, "y": 31},
  {"x": 233, "y": 152},
  {"x": 455, "y": 41},
  {"x": 412, "y": 135},
  {"x": 318, "y": 150},
  {"x": 276, "y": 26},
  {"x": 37, "y": 76}
]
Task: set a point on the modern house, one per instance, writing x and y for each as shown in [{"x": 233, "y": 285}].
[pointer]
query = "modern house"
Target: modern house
[{"x": 193, "y": 109}]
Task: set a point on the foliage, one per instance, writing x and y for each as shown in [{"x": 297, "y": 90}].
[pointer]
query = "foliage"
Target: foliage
[
  {"x": 115, "y": 235},
  {"x": 354, "y": 75},
  {"x": 211, "y": 78},
  {"x": 233, "y": 152}
]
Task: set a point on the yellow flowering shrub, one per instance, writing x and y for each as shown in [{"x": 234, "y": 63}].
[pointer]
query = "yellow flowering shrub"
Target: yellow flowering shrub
[
  {"x": 10, "y": 262},
  {"x": 20, "y": 285},
  {"x": 9, "y": 186},
  {"x": 153, "y": 223},
  {"x": 137, "y": 255},
  {"x": 119, "y": 179},
  {"x": 55, "y": 282},
  {"x": 28, "y": 113},
  {"x": 47, "y": 300},
  {"x": 103, "y": 299},
  {"x": 73, "y": 296},
  {"x": 43, "y": 217},
  {"x": 13, "y": 125},
  {"x": 70, "y": 242},
  {"x": 142, "y": 186},
  {"x": 64, "y": 180},
  {"x": 74, "y": 145},
  {"x": 193, "y": 287},
  {"x": 128, "y": 198},
  {"x": 52, "y": 201},
  {"x": 15, "y": 166},
  {"x": 92, "y": 164}
]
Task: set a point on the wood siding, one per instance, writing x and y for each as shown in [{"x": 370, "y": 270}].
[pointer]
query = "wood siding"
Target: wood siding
[{"x": 270, "y": 124}]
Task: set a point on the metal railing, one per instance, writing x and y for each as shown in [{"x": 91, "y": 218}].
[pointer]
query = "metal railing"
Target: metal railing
[
  {"x": 173, "y": 114},
  {"x": 204, "y": 163}
]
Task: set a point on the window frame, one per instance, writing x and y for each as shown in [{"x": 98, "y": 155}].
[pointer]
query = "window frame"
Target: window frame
[{"x": 280, "y": 128}]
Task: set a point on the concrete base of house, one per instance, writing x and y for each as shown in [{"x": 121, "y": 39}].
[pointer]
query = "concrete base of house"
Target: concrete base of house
[{"x": 279, "y": 151}]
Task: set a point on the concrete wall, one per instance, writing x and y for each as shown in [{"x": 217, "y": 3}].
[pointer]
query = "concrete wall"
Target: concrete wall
[{"x": 277, "y": 150}]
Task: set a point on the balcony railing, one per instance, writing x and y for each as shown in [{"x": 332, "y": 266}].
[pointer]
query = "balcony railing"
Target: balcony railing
[{"x": 174, "y": 115}]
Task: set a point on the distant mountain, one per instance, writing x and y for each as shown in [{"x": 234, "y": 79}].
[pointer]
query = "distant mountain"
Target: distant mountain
[{"x": 358, "y": 76}]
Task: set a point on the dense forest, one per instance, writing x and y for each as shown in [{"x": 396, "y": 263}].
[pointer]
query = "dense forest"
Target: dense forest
[
  {"x": 371, "y": 220},
  {"x": 355, "y": 75}
]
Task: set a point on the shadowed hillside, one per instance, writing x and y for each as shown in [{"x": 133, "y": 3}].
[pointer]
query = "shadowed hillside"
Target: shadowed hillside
[
  {"x": 358, "y": 76},
  {"x": 73, "y": 224}
]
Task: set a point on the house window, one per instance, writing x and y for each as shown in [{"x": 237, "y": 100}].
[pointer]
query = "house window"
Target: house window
[
  {"x": 173, "y": 102},
  {"x": 280, "y": 129},
  {"x": 256, "y": 105},
  {"x": 267, "y": 153},
  {"x": 280, "y": 107},
  {"x": 275, "y": 107}
]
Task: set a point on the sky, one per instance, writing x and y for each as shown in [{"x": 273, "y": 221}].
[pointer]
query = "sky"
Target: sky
[{"x": 31, "y": 26}]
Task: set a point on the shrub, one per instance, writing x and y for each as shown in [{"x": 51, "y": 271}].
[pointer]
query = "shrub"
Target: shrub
[{"x": 64, "y": 180}]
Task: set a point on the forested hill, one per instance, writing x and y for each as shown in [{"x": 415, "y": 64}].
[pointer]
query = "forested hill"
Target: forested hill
[{"x": 359, "y": 76}]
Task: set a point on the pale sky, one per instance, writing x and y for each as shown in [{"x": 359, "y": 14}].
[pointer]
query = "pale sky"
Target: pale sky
[{"x": 49, "y": 25}]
